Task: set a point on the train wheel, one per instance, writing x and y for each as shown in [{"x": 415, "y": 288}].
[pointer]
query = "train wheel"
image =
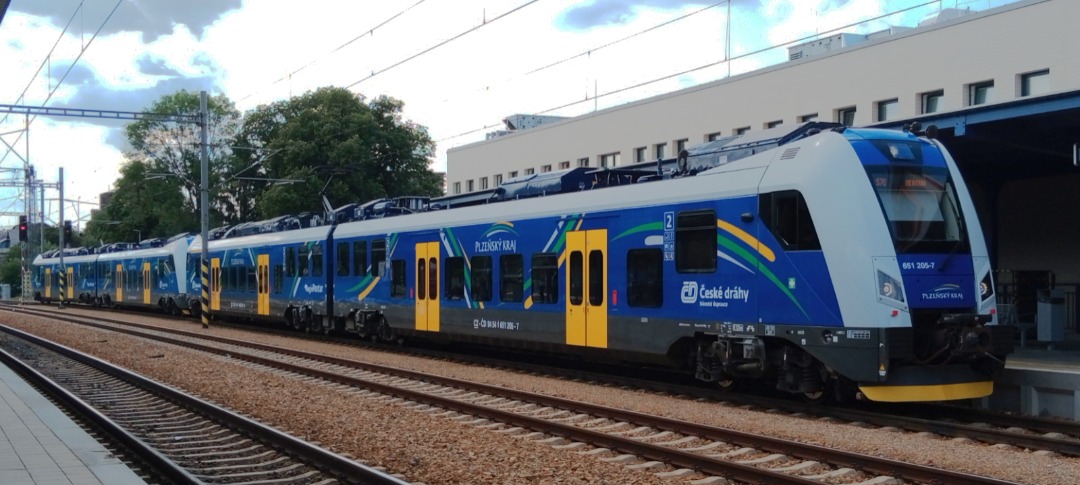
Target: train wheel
[
  {"x": 386, "y": 333},
  {"x": 729, "y": 384},
  {"x": 827, "y": 390}
]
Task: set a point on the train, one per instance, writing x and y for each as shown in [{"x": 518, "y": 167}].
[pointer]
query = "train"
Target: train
[{"x": 823, "y": 260}]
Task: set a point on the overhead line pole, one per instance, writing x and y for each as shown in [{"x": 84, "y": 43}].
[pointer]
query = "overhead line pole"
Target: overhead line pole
[
  {"x": 203, "y": 119},
  {"x": 204, "y": 216}
]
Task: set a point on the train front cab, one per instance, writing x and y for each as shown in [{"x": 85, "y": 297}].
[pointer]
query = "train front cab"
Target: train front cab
[{"x": 940, "y": 277}]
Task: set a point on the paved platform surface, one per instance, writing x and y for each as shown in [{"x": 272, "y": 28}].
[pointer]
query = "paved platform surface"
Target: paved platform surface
[{"x": 39, "y": 445}]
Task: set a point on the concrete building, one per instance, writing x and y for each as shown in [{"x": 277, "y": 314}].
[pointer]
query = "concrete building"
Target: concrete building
[{"x": 1003, "y": 84}]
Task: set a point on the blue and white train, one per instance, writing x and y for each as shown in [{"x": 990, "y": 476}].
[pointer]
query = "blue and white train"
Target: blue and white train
[{"x": 820, "y": 259}]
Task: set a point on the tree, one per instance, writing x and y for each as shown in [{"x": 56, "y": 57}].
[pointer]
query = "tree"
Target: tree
[
  {"x": 168, "y": 154},
  {"x": 334, "y": 141}
]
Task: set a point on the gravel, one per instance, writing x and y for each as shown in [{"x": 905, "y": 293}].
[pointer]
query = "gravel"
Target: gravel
[{"x": 442, "y": 451}]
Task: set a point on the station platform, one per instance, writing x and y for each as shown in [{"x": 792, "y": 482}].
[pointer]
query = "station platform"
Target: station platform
[
  {"x": 40, "y": 445},
  {"x": 1041, "y": 379}
]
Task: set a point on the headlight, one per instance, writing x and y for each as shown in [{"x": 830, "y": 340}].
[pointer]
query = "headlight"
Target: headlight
[
  {"x": 889, "y": 287},
  {"x": 986, "y": 288}
]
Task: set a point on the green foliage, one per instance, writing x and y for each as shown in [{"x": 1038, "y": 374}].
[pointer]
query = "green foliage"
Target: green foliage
[
  {"x": 274, "y": 160},
  {"x": 11, "y": 269},
  {"x": 157, "y": 194},
  {"x": 334, "y": 142}
]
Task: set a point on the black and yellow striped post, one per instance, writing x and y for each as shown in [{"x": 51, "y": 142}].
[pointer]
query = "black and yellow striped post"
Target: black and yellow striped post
[
  {"x": 205, "y": 313},
  {"x": 62, "y": 280}
]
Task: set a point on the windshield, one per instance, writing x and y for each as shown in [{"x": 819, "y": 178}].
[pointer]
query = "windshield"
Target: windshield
[{"x": 920, "y": 208}]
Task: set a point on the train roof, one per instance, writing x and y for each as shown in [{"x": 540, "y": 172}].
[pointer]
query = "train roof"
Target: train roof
[{"x": 282, "y": 237}]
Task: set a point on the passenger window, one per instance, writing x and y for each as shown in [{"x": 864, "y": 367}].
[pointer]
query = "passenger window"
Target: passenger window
[
  {"x": 278, "y": 283},
  {"x": 788, "y": 218},
  {"x": 545, "y": 278},
  {"x": 359, "y": 258},
  {"x": 304, "y": 262},
  {"x": 317, "y": 260},
  {"x": 577, "y": 278},
  {"x": 378, "y": 259},
  {"x": 343, "y": 259},
  {"x": 645, "y": 278},
  {"x": 596, "y": 278},
  {"x": 252, "y": 280},
  {"x": 455, "y": 278},
  {"x": 695, "y": 242},
  {"x": 290, "y": 262},
  {"x": 481, "y": 278},
  {"x": 511, "y": 277},
  {"x": 397, "y": 278}
]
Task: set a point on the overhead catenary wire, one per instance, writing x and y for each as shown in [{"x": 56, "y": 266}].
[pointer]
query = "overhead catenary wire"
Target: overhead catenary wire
[
  {"x": 698, "y": 68},
  {"x": 442, "y": 43},
  {"x": 66, "y": 72},
  {"x": 368, "y": 32}
]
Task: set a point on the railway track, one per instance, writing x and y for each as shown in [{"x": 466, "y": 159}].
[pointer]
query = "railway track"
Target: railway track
[
  {"x": 179, "y": 438},
  {"x": 1025, "y": 432},
  {"x": 679, "y": 447}
]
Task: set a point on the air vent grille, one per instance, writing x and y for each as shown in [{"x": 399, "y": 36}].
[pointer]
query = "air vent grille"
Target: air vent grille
[{"x": 789, "y": 153}]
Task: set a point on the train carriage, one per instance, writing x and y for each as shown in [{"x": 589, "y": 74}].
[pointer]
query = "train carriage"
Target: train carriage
[
  {"x": 151, "y": 278},
  {"x": 271, "y": 276},
  {"x": 78, "y": 269},
  {"x": 821, "y": 259}
]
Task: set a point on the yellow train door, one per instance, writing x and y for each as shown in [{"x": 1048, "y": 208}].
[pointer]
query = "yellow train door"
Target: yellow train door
[
  {"x": 586, "y": 288},
  {"x": 427, "y": 286},
  {"x": 70, "y": 283},
  {"x": 263, "y": 278},
  {"x": 215, "y": 284},
  {"x": 48, "y": 283},
  {"x": 146, "y": 282},
  {"x": 119, "y": 283}
]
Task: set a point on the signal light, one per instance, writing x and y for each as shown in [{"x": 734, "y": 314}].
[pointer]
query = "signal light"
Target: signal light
[
  {"x": 67, "y": 231},
  {"x": 23, "y": 229}
]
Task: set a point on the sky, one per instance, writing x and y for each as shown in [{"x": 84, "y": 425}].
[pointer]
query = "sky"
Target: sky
[{"x": 460, "y": 66}]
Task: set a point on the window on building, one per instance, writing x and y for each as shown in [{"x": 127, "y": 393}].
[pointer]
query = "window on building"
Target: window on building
[
  {"x": 498, "y": 179},
  {"x": 742, "y": 131},
  {"x": 659, "y": 149},
  {"x": 545, "y": 168},
  {"x": 359, "y": 258},
  {"x": 774, "y": 124},
  {"x": 397, "y": 278},
  {"x": 695, "y": 241},
  {"x": 786, "y": 215},
  {"x": 483, "y": 183},
  {"x": 641, "y": 154},
  {"x": 457, "y": 187},
  {"x": 808, "y": 118},
  {"x": 342, "y": 259},
  {"x": 455, "y": 278},
  {"x": 846, "y": 116},
  {"x": 513, "y": 174},
  {"x": 645, "y": 277},
  {"x": 511, "y": 277},
  {"x": 545, "y": 278},
  {"x": 469, "y": 186},
  {"x": 714, "y": 136},
  {"x": 980, "y": 93},
  {"x": 1035, "y": 83},
  {"x": 481, "y": 278},
  {"x": 530, "y": 171},
  {"x": 609, "y": 160},
  {"x": 564, "y": 165},
  {"x": 680, "y": 145},
  {"x": 888, "y": 109},
  {"x": 932, "y": 101},
  {"x": 378, "y": 257},
  {"x": 583, "y": 162}
]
